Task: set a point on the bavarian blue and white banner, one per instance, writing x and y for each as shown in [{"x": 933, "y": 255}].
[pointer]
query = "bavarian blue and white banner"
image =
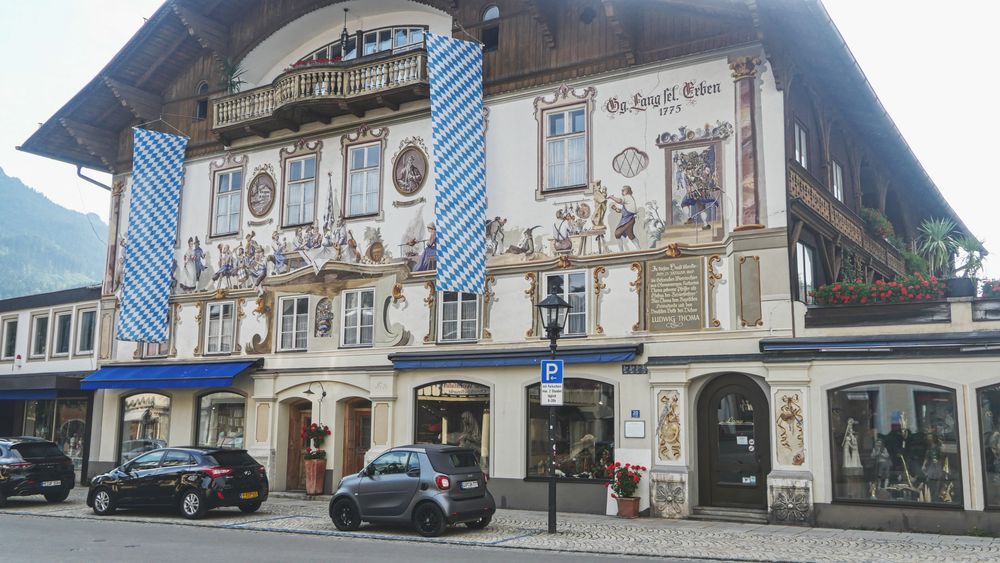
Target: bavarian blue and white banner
[
  {"x": 157, "y": 176},
  {"x": 456, "y": 78}
]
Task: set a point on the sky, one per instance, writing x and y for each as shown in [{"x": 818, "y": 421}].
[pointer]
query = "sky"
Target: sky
[{"x": 931, "y": 67}]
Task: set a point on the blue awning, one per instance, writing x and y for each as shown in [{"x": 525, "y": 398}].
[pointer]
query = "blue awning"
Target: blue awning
[
  {"x": 514, "y": 357},
  {"x": 27, "y": 394},
  {"x": 166, "y": 376}
]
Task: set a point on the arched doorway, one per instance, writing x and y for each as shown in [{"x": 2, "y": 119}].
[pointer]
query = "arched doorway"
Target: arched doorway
[
  {"x": 299, "y": 418},
  {"x": 734, "y": 443},
  {"x": 357, "y": 435}
]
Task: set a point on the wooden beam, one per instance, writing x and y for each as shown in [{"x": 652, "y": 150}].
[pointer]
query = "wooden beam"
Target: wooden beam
[
  {"x": 352, "y": 108},
  {"x": 142, "y": 104},
  {"x": 100, "y": 143},
  {"x": 618, "y": 27},
  {"x": 545, "y": 19},
  {"x": 731, "y": 12},
  {"x": 259, "y": 131},
  {"x": 164, "y": 56},
  {"x": 386, "y": 102},
  {"x": 210, "y": 34}
]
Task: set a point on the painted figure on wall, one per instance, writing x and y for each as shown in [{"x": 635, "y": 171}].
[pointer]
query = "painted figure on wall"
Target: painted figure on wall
[
  {"x": 194, "y": 265},
  {"x": 410, "y": 176},
  {"x": 279, "y": 251},
  {"x": 562, "y": 230},
  {"x": 324, "y": 318},
  {"x": 670, "y": 426},
  {"x": 495, "y": 235},
  {"x": 791, "y": 440},
  {"x": 654, "y": 224},
  {"x": 226, "y": 270},
  {"x": 526, "y": 244},
  {"x": 625, "y": 231},
  {"x": 696, "y": 180},
  {"x": 254, "y": 262},
  {"x": 428, "y": 258},
  {"x": 600, "y": 205}
]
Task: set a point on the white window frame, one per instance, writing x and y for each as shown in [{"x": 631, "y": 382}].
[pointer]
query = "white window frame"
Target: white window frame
[
  {"x": 56, "y": 341},
  {"x": 233, "y": 194},
  {"x": 220, "y": 306},
  {"x": 837, "y": 180},
  {"x": 459, "y": 320},
  {"x": 80, "y": 315},
  {"x": 152, "y": 350},
  {"x": 805, "y": 278},
  {"x": 294, "y": 319},
  {"x": 359, "y": 310},
  {"x": 801, "y": 145},
  {"x": 564, "y": 139},
  {"x": 34, "y": 336},
  {"x": 302, "y": 217},
  {"x": 6, "y": 328},
  {"x": 363, "y": 173},
  {"x": 565, "y": 295}
]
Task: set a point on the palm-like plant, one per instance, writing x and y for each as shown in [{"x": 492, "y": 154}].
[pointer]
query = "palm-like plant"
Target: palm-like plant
[
  {"x": 232, "y": 76},
  {"x": 937, "y": 243},
  {"x": 973, "y": 253}
]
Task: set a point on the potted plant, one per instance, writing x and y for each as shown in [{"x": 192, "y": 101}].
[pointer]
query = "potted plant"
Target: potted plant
[
  {"x": 232, "y": 76},
  {"x": 938, "y": 246},
  {"x": 315, "y": 457},
  {"x": 972, "y": 253},
  {"x": 624, "y": 482}
]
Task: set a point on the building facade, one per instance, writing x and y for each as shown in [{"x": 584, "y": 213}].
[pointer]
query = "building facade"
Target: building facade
[{"x": 684, "y": 174}]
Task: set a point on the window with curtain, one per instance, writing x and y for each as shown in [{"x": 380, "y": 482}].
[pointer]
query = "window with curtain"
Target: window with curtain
[
  {"x": 572, "y": 287},
  {"x": 363, "y": 174},
  {"x": 222, "y": 420},
  {"x": 300, "y": 191},
  {"x": 294, "y": 323},
  {"x": 228, "y": 191},
  {"x": 220, "y": 328},
  {"x": 359, "y": 317},
  {"x": 459, "y": 316},
  {"x": 585, "y": 431},
  {"x": 565, "y": 148}
]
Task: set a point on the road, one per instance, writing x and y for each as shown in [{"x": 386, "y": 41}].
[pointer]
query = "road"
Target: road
[{"x": 43, "y": 539}]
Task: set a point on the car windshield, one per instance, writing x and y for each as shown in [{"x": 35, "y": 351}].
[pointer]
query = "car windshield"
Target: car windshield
[
  {"x": 37, "y": 450},
  {"x": 233, "y": 459},
  {"x": 463, "y": 459}
]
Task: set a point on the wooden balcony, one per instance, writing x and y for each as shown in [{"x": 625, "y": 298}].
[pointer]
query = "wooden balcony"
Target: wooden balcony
[
  {"x": 842, "y": 221},
  {"x": 322, "y": 92}
]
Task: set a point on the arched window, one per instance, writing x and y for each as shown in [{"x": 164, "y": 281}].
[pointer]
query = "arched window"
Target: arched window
[
  {"x": 222, "y": 420},
  {"x": 895, "y": 443},
  {"x": 585, "y": 431},
  {"x": 491, "y": 31},
  {"x": 456, "y": 413},
  {"x": 201, "y": 111},
  {"x": 989, "y": 432},
  {"x": 145, "y": 424},
  {"x": 492, "y": 12}
]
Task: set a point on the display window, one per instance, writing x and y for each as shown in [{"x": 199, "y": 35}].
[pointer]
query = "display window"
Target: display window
[
  {"x": 222, "y": 420},
  {"x": 585, "y": 431},
  {"x": 456, "y": 413},
  {"x": 145, "y": 424},
  {"x": 989, "y": 428}
]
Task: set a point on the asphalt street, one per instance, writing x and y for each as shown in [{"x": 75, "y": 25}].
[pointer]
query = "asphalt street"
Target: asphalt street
[{"x": 42, "y": 539}]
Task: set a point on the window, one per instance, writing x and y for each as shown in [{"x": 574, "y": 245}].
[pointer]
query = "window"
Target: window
[
  {"x": 86, "y": 326},
  {"x": 491, "y": 33},
  {"x": 147, "y": 462},
  {"x": 585, "y": 431},
  {"x": 455, "y": 413},
  {"x": 174, "y": 458},
  {"x": 222, "y": 420},
  {"x": 9, "y": 339},
  {"x": 294, "y": 323},
  {"x": 39, "y": 336},
  {"x": 805, "y": 260},
  {"x": 989, "y": 428},
  {"x": 228, "y": 191},
  {"x": 359, "y": 317},
  {"x": 895, "y": 443},
  {"x": 145, "y": 424},
  {"x": 566, "y": 148},
  {"x": 157, "y": 349},
  {"x": 459, "y": 316},
  {"x": 300, "y": 191},
  {"x": 63, "y": 421},
  {"x": 801, "y": 146},
  {"x": 837, "y": 180},
  {"x": 201, "y": 110},
  {"x": 39, "y": 418},
  {"x": 390, "y": 463},
  {"x": 220, "y": 328},
  {"x": 572, "y": 288},
  {"x": 64, "y": 324},
  {"x": 363, "y": 175}
]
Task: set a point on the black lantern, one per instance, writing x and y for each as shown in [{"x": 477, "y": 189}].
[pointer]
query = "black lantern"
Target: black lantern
[
  {"x": 344, "y": 36},
  {"x": 554, "y": 311}
]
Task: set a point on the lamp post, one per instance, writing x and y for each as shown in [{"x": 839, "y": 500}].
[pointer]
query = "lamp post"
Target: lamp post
[
  {"x": 309, "y": 391},
  {"x": 554, "y": 311}
]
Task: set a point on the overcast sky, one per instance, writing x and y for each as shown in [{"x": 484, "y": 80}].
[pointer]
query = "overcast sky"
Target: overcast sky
[{"x": 933, "y": 68}]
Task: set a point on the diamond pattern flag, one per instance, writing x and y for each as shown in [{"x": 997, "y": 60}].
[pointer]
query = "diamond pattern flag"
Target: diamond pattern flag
[
  {"x": 456, "y": 79},
  {"x": 157, "y": 176}
]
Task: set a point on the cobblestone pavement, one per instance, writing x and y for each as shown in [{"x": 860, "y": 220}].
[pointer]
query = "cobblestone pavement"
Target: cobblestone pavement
[{"x": 580, "y": 533}]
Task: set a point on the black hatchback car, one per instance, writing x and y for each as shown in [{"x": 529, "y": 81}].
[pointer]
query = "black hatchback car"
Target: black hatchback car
[
  {"x": 194, "y": 480},
  {"x": 32, "y": 466}
]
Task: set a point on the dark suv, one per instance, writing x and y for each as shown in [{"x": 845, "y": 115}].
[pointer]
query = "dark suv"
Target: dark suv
[
  {"x": 195, "y": 480},
  {"x": 32, "y": 466},
  {"x": 428, "y": 486}
]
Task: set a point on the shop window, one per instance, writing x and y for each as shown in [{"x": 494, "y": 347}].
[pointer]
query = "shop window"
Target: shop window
[
  {"x": 801, "y": 145},
  {"x": 572, "y": 287},
  {"x": 64, "y": 324},
  {"x": 989, "y": 427},
  {"x": 455, "y": 413},
  {"x": 837, "y": 180},
  {"x": 300, "y": 191},
  {"x": 294, "y": 324},
  {"x": 359, "y": 317},
  {"x": 227, "y": 202},
  {"x": 459, "y": 316},
  {"x": 145, "y": 424},
  {"x": 9, "y": 339},
  {"x": 805, "y": 262},
  {"x": 895, "y": 443},
  {"x": 222, "y": 420},
  {"x": 63, "y": 421},
  {"x": 85, "y": 330},
  {"x": 39, "y": 336},
  {"x": 39, "y": 419},
  {"x": 364, "y": 173},
  {"x": 566, "y": 148},
  {"x": 221, "y": 327},
  {"x": 585, "y": 431}
]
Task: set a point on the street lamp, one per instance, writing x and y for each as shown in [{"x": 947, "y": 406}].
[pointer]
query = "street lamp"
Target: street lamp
[
  {"x": 554, "y": 311},
  {"x": 309, "y": 392}
]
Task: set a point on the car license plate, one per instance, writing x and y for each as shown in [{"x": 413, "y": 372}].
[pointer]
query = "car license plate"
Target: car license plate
[
  {"x": 470, "y": 484},
  {"x": 251, "y": 494},
  {"x": 51, "y": 483}
]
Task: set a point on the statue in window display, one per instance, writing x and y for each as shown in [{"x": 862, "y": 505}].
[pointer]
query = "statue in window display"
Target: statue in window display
[
  {"x": 883, "y": 463},
  {"x": 470, "y": 436},
  {"x": 933, "y": 467},
  {"x": 852, "y": 455}
]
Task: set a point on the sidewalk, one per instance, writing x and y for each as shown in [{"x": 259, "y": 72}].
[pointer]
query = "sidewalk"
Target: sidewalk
[{"x": 581, "y": 533}]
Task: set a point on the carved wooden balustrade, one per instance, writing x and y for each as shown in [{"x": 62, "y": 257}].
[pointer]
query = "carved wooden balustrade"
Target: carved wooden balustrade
[
  {"x": 843, "y": 220},
  {"x": 326, "y": 90}
]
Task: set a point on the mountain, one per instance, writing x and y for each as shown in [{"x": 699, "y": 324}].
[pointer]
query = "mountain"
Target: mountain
[{"x": 44, "y": 246}]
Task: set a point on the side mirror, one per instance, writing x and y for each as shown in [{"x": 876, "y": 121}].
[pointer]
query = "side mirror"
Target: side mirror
[
  {"x": 368, "y": 471},
  {"x": 127, "y": 468}
]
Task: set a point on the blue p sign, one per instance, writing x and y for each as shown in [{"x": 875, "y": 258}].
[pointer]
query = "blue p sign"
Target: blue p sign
[{"x": 552, "y": 371}]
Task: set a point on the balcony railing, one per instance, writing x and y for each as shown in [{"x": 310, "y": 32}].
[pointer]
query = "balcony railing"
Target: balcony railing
[
  {"x": 332, "y": 89},
  {"x": 843, "y": 220}
]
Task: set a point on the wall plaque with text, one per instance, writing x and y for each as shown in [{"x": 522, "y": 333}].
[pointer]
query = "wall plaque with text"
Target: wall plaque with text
[{"x": 676, "y": 295}]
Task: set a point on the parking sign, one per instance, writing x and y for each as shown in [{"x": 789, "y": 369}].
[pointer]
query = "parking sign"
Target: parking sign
[{"x": 552, "y": 383}]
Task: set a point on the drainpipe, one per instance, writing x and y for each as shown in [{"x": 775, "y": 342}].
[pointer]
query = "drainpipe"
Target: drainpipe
[{"x": 79, "y": 173}]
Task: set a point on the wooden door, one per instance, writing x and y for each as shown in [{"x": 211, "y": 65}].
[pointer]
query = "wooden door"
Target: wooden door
[
  {"x": 734, "y": 443},
  {"x": 357, "y": 439},
  {"x": 299, "y": 417}
]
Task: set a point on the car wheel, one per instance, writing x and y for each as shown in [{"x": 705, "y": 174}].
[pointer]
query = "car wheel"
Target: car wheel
[
  {"x": 428, "y": 520},
  {"x": 345, "y": 515},
  {"x": 481, "y": 523},
  {"x": 104, "y": 503},
  {"x": 250, "y": 508},
  {"x": 57, "y": 497},
  {"x": 192, "y": 505}
]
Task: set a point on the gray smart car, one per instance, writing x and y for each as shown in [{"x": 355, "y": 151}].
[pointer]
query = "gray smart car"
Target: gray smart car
[{"x": 429, "y": 486}]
